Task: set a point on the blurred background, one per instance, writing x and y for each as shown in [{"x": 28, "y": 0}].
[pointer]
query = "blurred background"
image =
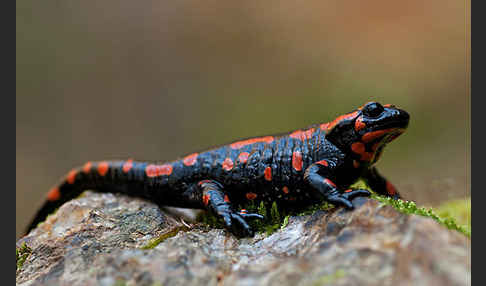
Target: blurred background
[{"x": 162, "y": 79}]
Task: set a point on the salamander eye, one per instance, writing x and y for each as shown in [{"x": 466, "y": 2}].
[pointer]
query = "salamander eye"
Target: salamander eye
[{"x": 373, "y": 109}]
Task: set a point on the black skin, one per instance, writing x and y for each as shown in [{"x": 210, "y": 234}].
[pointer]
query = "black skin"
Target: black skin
[{"x": 334, "y": 156}]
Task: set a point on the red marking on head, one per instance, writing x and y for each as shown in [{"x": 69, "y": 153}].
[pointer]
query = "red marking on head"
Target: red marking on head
[
  {"x": 206, "y": 199},
  {"x": 87, "y": 167},
  {"x": 340, "y": 119},
  {"x": 329, "y": 182},
  {"x": 355, "y": 164},
  {"x": 54, "y": 194},
  {"x": 103, "y": 168},
  {"x": 251, "y": 196},
  {"x": 324, "y": 126},
  {"x": 243, "y": 157},
  {"x": 226, "y": 199},
  {"x": 323, "y": 163},
  {"x": 390, "y": 189},
  {"x": 297, "y": 161},
  {"x": 243, "y": 143},
  {"x": 71, "y": 177},
  {"x": 302, "y": 134},
  {"x": 190, "y": 160},
  {"x": 358, "y": 147},
  {"x": 268, "y": 173},
  {"x": 359, "y": 124},
  {"x": 227, "y": 164},
  {"x": 127, "y": 166},
  {"x": 348, "y": 190},
  {"x": 370, "y": 136},
  {"x": 285, "y": 189}
]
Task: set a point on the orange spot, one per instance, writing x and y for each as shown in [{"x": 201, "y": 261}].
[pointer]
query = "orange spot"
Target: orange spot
[
  {"x": 302, "y": 135},
  {"x": 251, "y": 196},
  {"x": 127, "y": 166},
  {"x": 71, "y": 177},
  {"x": 355, "y": 164},
  {"x": 165, "y": 169},
  {"x": 324, "y": 126},
  {"x": 297, "y": 160},
  {"x": 226, "y": 199},
  {"x": 87, "y": 167},
  {"x": 243, "y": 211},
  {"x": 390, "y": 189},
  {"x": 190, "y": 160},
  {"x": 151, "y": 171},
  {"x": 341, "y": 118},
  {"x": 285, "y": 189},
  {"x": 323, "y": 163},
  {"x": 103, "y": 168},
  {"x": 243, "y": 157},
  {"x": 330, "y": 182},
  {"x": 268, "y": 173},
  {"x": 359, "y": 124},
  {"x": 366, "y": 156},
  {"x": 348, "y": 190},
  {"x": 388, "y": 105},
  {"x": 358, "y": 147},
  {"x": 206, "y": 199},
  {"x": 227, "y": 164},
  {"x": 243, "y": 143},
  {"x": 54, "y": 194},
  {"x": 370, "y": 136}
]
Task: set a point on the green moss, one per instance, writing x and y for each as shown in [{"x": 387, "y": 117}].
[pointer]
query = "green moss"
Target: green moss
[
  {"x": 330, "y": 278},
  {"x": 459, "y": 209},
  {"x": 156, "y": 241},
  {"x": 21, "y": 254}
]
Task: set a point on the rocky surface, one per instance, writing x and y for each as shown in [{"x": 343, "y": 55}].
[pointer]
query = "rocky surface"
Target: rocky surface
[{"x": 99, "y": 239}]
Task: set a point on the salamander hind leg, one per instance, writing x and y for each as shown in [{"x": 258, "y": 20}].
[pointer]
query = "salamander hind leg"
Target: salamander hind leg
[{"x": 215, "y": 200}]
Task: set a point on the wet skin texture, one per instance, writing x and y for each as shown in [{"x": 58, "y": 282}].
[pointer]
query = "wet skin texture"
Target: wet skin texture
[{"x": 300, "y": 168}]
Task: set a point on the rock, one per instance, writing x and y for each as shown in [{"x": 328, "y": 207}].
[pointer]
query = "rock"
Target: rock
[{"x": 99, "y": 239}]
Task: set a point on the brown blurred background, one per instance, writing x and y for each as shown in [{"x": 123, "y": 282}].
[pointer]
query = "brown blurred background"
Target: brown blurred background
[{"x": 160, "y": 79}]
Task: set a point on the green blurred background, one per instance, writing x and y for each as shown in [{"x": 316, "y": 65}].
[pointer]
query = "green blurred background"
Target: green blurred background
[{"x": 155, "y": 80}]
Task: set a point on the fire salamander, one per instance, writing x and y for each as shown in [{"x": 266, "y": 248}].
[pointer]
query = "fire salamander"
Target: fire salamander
[{"x": 299, "y": 168}]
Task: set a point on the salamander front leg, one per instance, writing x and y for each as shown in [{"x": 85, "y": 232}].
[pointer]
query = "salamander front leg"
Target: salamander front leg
[
  {"x": 327, "y": 189},
  {"x": 216, "y": 201},
  {"x": 379, "y": 184}
]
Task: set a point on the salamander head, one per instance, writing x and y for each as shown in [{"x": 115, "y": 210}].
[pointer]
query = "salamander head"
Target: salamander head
[{"x": 367, "y": 130}]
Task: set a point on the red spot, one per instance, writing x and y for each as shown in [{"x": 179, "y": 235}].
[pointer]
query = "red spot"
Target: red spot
[
  {"x": 227, "y": 164},
  {"x": 366, "y": 156},
  {"x": 370, "y": 136},
  {"x": 158, "y": 170},
  {"x": 251, "y": 196},
  {"x": 71, "y": 177},
  {"x": 323, "y": 163},
  {"x": 330, "y": 182},
  {"x": 243, "y": 211},
  {"x": 285, "y": 189},
  {"x": 243, "y": 157},
  {"x": 87, "y": 167},
  {"x": 54, "y": 194},
  {"x": 226, "y": 199},
  {"x": 324, "y": 126},
  {"x": 355, "y": 164},
  {"x": 358, "y": 147},
  {"x": 341, "y": 118},
  {"x": 348, "y": 190},
  {"x": 359, "y": 124},
  {"x": 388, "y": 105},
  {"x": 268, "y": 173},
  {"x": 165, "y": 169},
  {"x": 297, "y": 160},
  {"x": 243, "y": 143},
  {"x": 302, "y": 135},
  {"x": 206, "y": 199},
  {"x": 103, "y": 168},
  {"x": 190, "y": 160},
  {"x": 390, "y": 189},
  {"x": 127, "y": 166},
  {"x": 203, "y": 182}
]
